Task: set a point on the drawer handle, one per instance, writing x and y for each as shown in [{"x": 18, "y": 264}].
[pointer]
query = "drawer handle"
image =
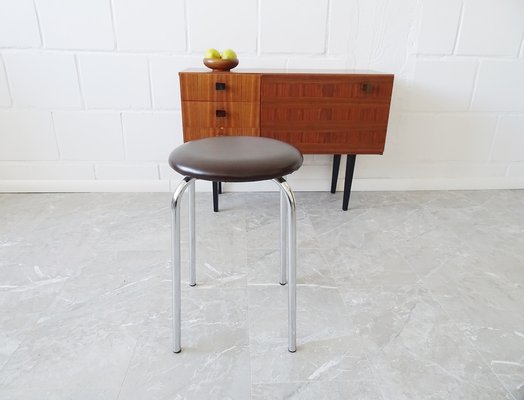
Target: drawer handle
[
  {"x": 220, "y": 113},
  {"x": 220, "y": 86},
  {"x": 367, "y": 87}
]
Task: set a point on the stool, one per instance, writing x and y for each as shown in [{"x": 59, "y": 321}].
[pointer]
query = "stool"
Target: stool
[{"x": 235, "y": 159}]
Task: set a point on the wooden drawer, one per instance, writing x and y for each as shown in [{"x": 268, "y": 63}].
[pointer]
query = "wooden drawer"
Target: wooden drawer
[
  {"x": 364, "y": 140},
  {"x": 200, "y": 133},
  {"x": 202, "y": 114},
  {"x": 326, "y": 114},
  {"x": 302, "y": 87},
  {"x": 317, "y": 115},
  {"x": 219, "y": 87}
]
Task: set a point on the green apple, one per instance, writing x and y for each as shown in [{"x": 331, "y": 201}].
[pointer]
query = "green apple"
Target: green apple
[
  {"x": 229, "y": 54},
  {"x": 212, "y": 53}
]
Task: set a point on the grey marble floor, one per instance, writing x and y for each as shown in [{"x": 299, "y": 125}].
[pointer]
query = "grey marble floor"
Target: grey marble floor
[{"x": 409, "y": 295}]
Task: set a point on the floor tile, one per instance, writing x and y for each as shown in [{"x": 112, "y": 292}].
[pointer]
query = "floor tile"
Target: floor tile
[
  {"x": 407, "y": 295},
  {"x": 317, "y": 390}
]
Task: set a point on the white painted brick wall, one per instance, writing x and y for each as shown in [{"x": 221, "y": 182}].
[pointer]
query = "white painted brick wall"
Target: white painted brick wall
[
  {"x": 43, "y": 80},
  {"x": 500, "y": 86},
  {"x": 293, "y": 26},
  {"x": 166, "y": 172},
  {"x": 266, "y": 62},
  {"x": 76, "y": 24},
  {"x": 165, "y": 85},
  {"x": 491, "y": 28},
  {"x": 509, "y": 139},
  {"x": 46, "y": 171},
  {"x": 151, "y": 136},
  {"x": 439, "y": 26},
  {"x": 18, "y": 24},
  {"x": 5, "y": 97},
  {"x": 343, "y": 23},
  {"x": 297, "y": 62},
  {"x": 150, "y": 25},
  {"x": 89, "y": 89},
  {"x": 442, "y": 85},
  {"x": 127, "y": 171},
  {"x": 516, "y": 170},
  {"x": 383, "y": 167},
  {"x": 115, "y": 81},
  {"x": 27, "y": 135},
  {"x": 381, "y": 39},
  {"x": 222, "y": 24},
  {"x": 451, "y": 137},
  {"x": 85, "y": 136}
]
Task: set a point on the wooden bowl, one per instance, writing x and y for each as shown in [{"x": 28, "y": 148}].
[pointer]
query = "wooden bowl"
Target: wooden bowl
[{"x": 217, "y": 64}]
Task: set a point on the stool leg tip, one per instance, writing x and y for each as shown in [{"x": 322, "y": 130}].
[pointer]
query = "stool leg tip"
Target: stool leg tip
[
  {"x": 292, "y": 351},
  {"x": 283, "y": 284},
  {"x": 192, "y": 284},
  {"x": 177, "y": 352}
]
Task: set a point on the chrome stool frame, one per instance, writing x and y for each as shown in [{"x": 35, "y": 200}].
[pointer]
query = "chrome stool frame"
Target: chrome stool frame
[{"x": 287, "y": 247}]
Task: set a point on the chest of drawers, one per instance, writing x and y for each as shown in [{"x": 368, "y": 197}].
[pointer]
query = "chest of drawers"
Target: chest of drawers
[
  {"x": 220, "y": 104},
  {"x": 319, "y": 113}
]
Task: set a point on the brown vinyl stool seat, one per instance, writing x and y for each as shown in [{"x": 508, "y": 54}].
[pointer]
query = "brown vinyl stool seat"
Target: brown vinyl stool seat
[{"x": 235, "y": 159}]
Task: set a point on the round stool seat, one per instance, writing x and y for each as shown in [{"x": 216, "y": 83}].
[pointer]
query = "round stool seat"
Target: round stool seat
[{"x": 235, "y": 159}]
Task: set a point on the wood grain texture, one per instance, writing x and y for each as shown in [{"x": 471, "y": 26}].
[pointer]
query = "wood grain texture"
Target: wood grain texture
[
  {"x": 208, "y": 114},
  {"x": 203, "y": 86},
  {"x": 284, "y": 87},
  {"x": 325, "y": 114},
  {"x": 319, "y": 113},
  {"x": 356, "y": 141},
  {"x": 200, "y": 133},
  {"x": 287, "y": 114}
]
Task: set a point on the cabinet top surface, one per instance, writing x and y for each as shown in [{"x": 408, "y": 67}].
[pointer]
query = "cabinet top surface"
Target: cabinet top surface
[{"x": 289, "y": 71}]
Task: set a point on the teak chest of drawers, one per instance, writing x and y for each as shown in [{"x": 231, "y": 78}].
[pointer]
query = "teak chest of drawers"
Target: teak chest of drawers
[{"x": 319, "y": 113}]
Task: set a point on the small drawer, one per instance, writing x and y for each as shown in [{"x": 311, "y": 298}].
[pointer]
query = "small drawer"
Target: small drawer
[
  {"x": 215, "y": 86},
  {"x": 369, "y": 88},
  {"x": 200, "y": 133},
  {"x": 201, "y": 114}
]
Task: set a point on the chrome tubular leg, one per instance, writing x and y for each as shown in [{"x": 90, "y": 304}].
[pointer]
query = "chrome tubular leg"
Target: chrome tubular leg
[
  {"x": 175, "y": 260},
  {"x": 291, "y": 264},
  {"x": 283, "y": 237},
  {"x": 192, "y": 241}
]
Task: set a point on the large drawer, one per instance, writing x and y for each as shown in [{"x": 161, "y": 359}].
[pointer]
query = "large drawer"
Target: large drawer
[
  {"x": 303, "y": 87},
  {"x": 365, "y": 140},
  {"x": 216, "y": 86},
  {"x": 319, "y": 114}
]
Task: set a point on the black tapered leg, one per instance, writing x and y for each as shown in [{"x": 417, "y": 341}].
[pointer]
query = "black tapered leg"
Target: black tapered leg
[
  {"x": 215, "y": 196},
  {"x": 219, "y": 187},
  {"x": 334, "y": 175},
  {"x": 348, "y": 180}
]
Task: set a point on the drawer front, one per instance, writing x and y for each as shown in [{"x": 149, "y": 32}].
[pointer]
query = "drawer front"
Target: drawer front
[
  {"x": 332, "y": 141},
  {"x": 215, "y": 86},
  {"x": 200, "y": 133},
  {"x": 202, "y": 114},
  {"x": 319, "y": 115},
  {"x": 326, "y": 114},
  {"x": 368, "y": 88}
]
